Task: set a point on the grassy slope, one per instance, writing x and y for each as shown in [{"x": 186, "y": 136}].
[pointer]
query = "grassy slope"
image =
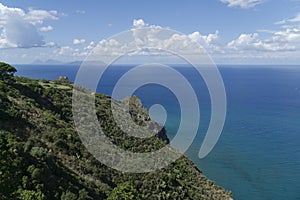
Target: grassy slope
[{"x": 42, "y": 156}]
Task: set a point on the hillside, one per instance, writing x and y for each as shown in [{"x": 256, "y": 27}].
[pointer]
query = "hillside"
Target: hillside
[{"x": 42, "y": 156}]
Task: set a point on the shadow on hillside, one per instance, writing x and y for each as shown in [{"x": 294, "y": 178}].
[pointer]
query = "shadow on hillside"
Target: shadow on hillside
[{"x": 43, "y": 102}]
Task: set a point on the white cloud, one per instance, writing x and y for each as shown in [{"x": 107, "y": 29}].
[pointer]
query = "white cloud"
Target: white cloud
[
  {"x": 46, "y": 28},
  {"x": 90, "y": 46},
  {"x": 78, "y": 41},
  {"x": 282, "y": 43},
  {"x": 287, "y": 38},
  {"x": 208, "y": 39},
  {"x": 50, "y": 44},
  {"x": 290, "y": 35},
  {"x": 39, "y": 16},
  {"x": 65, "y": 50},
  {"x": 295, "y": 19},
  {"x": 18, "y": 28},
  {"x": 147, "y": 36},
  {"x": 69, "y": 52},
  {"x": 242, "y": 3},
  {"x": 210, "y": 42},
  {"x": 139, "y": 23},
  {"x": 80, "y": 11},
  {"x": 143, "y": 38},
  {"x": 253, "y": 43},
  {"x": 18, "y": 33}
]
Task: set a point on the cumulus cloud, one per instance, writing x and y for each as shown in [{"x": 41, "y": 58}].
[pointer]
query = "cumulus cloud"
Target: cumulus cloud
[
  {"x": 46, "y": 28},
  {"x": 90, "y": 46},
  {"x": 78, "y": 41},
  {"x": 39, "y": 16},
  {"x": 210, "y": 42},
  {"x": 18, "y": 28},
  {"x": 155, "y": 40},
  {"x": 18, "y": 33},
  {"x": 70, "y": 52},
  {"x": 144, "y": 38},
  {"x": 242, "y": 3},
  {"x": 139, "y": 23},
  {"x": 50, "y": 44},
  {"x": 285, "y": 39},
  {"x": 252, "y": 42},
  {"x": 290, "y": 30},
  {"x": 289, "y": 35},
  {"x": 66, "y": 50}
]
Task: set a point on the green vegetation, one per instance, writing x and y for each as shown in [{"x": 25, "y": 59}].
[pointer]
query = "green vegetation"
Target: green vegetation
[
  {"x": 6, "y": 71},
  {"x": 42, "y": 157}
]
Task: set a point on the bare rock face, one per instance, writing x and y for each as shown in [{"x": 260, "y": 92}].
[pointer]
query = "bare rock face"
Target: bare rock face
[
  {"x": 63, "y": 79},
  {"x": 141, "y": 117}
]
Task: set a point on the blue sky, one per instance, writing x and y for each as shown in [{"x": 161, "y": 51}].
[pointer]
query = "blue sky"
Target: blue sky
[{"x": 232, "y": 31}]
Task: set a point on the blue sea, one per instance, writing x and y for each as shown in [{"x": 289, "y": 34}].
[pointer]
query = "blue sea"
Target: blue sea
[{"x": 258, "y": 153}]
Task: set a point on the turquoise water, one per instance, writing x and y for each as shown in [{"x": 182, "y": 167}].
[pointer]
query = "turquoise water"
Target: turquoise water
[{"x": 258, "y": 154}]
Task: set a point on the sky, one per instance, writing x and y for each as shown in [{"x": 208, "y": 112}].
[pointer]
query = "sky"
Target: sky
[{"x": 231, "y": 31}]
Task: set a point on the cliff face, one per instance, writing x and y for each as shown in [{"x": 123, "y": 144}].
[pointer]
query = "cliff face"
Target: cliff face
[{"x": 42, "y": 156}]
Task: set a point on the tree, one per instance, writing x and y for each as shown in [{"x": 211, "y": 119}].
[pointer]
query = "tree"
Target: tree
[
  {"x": 30, "y": 194},
  {"x": 6, "y": 71},
  {"x": 68, "y": 196},
  {"x": 10, "y": 162},
  {"x": 83, "y": 195},
  {"x": 124, "y": 191}
]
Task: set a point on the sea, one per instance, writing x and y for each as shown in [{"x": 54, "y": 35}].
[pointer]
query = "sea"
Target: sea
[{"x": 258, "y": 153}]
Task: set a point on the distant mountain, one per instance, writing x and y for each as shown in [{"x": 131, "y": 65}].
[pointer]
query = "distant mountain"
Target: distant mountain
[
  {"x": 74, "y": 63},
  {"x": 47, "y": 62},
  {"x": 57, "y": 62},
  {"x": 90, "y": 62}
]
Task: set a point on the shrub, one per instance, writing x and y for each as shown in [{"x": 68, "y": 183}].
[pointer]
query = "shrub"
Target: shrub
[
  {"x": 124, "y": 191},
  {"x": 6, "y": 72}
]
